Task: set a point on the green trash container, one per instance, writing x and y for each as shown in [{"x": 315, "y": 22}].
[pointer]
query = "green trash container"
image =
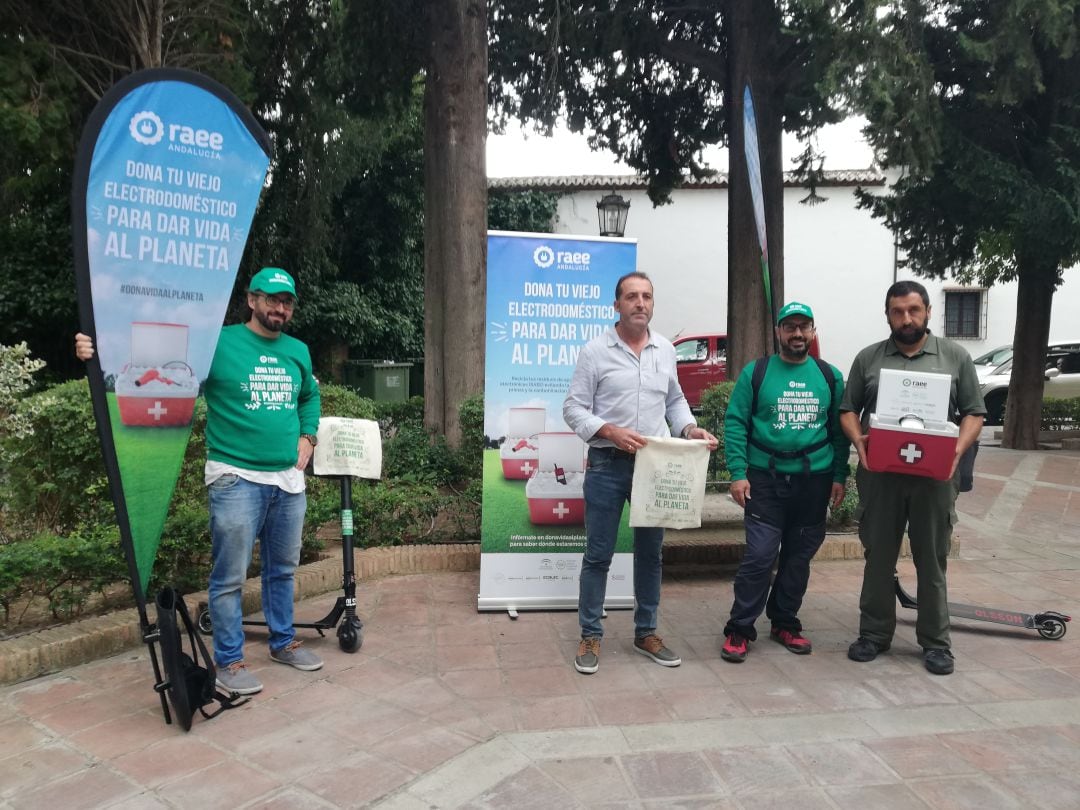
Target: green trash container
[{"x": 382, "y": 381}]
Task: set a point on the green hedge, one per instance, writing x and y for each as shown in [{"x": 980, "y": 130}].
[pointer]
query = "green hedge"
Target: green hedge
[
  {"x": 714, "y": 404},
  {"x": 1060, "y": 414},
  {"x": 63, "y": 570}
]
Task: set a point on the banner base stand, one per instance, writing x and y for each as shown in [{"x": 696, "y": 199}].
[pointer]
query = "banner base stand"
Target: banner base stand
[{"x": 514, "y": 605}]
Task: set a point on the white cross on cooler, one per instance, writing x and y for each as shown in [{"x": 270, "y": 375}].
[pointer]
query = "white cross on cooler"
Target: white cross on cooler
[
  {"x": 527, "y": 468},
  {"x": 157, "y": 411},
  {"x": 561, "y": 510},
  {"x": 911, "y": 452}
]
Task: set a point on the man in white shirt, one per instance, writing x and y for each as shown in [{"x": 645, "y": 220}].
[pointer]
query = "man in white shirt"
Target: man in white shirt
[{"x": 624, "y": 389}]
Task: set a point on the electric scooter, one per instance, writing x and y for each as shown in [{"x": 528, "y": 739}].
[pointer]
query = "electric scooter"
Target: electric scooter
[
  {"x": 350, "y": 633},
  {"x": 1049, "y": 624}
]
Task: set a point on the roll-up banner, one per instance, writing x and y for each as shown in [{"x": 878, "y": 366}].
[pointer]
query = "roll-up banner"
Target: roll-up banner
[
  {"x": 753, "y": 170},
  {"x": 547, "y": 296},
  {"x": 167, "y": 178}
]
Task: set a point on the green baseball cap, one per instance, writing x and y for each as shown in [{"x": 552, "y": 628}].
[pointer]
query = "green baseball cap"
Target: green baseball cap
[
  {"x": 272, "y": 280},
  {"x": 795, "y": 308}
]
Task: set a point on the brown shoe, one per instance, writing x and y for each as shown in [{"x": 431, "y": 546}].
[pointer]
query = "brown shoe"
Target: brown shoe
[
  {"x": 653, "y": 646},
  {"x": 588, "y": 655}
]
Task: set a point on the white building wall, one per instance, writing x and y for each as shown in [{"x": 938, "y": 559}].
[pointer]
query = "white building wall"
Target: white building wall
[{"x": 838, "y": 260}]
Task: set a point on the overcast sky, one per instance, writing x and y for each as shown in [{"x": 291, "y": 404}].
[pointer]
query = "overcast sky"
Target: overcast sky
[{"x": 520, "y": 154}]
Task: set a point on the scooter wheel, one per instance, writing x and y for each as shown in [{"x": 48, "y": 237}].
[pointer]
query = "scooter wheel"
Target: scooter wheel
[
  {"x": 1052, "y": 629},
  {"x": 203, "y": 622},
  {"x": 350, "y": 639}
]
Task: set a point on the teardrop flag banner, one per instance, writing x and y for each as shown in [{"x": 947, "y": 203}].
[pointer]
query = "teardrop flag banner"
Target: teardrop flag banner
[
  {"x": 753, "y": 169},
  {"x": 167, "y": 178}
]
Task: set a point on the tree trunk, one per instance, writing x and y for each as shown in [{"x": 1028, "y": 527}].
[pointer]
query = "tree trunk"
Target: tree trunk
[
  {"x": 455, "y": 210},
  {"x": 751, "y": 26},
  {"x": 1034, "y": 298}
]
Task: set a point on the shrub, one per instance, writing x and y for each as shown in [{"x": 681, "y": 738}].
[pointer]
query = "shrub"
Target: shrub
[
  {"x": 714, "y": 404},
  {"x": 17, "y": 370},
  {"x": 64, "y": 570},
  {"x": 471, "y": 415},
  {"x": 391, "y": 415},
  {"x": 337, "y": 400},
  {"x": 843, "y": 516},
  {"x": 392, "y": 513},
  {"x": 1060, "y": 414},
  {"x": 53, "y": 478}
]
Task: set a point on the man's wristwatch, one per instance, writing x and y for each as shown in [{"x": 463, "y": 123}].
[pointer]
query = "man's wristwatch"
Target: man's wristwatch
[
  {"x": 313, "y": 440},
  {"x": 686, "y": 431}
]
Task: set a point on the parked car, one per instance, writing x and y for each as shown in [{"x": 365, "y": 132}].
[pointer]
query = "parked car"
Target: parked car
[
  {"x": 1062, "y": 378},
  {"x": 701, "y": 362},
  {"x": 986, "y": 364}
]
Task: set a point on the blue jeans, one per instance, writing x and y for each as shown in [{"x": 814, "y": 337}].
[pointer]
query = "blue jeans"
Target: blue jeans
[
  {"x": 608, "y": 480},
  {"x": 785, "y": 524},
  {"x": 240, "y": 512}
]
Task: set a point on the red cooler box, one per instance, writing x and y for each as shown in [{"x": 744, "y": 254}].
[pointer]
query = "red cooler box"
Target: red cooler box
[
  {"x": 928, "y": 450},
  {"x": 520, "y": 452},
  {"x": 157, "y": 388},
  {"x": 556, "y": 492}
]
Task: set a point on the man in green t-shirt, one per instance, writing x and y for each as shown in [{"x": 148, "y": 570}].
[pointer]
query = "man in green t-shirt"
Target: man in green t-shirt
[
  {"x": 888, "y": 501},
  {"x": 788, "y": 461},
  {"x": 262, "y": 416}
]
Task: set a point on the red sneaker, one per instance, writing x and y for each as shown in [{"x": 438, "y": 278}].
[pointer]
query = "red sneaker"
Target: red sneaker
[
  {"x": 795, "y": 642},
  {"x": 734, "y": 649}
]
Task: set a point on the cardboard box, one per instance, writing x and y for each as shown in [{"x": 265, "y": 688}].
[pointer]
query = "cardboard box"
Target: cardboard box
[
  {"x": 927, "y": 451},
  {"x": 157, "y": 388},
  {"x": 556, "y": 492},
  {"x": 519, "y": 453}
]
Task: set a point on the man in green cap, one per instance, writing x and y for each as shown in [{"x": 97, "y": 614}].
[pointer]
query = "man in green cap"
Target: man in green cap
[
  {"x": 262, "y": 415},
  {"x": 788, "y": 461}
]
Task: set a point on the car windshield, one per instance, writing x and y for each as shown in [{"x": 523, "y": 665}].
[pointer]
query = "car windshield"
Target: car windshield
[{"x": 995, "y": 357}]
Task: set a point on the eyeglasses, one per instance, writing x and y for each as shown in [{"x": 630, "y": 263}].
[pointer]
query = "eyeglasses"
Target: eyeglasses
[
  {"x": 792, "y": 328},
  {"x": 286, "y": 302}
]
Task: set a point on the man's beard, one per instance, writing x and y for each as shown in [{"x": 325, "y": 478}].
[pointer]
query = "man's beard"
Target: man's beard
[
  {"x": 910, "y": 335},
  {"x": 271, "y": 326},
  {"x": 787, "y": 351}
]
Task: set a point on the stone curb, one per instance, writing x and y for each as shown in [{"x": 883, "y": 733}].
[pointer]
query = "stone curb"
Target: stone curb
[{"x": 45, "y": 651}]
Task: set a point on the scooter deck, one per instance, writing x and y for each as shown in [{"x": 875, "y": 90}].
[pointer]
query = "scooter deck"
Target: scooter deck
[{"x": 1049, "y": 624}]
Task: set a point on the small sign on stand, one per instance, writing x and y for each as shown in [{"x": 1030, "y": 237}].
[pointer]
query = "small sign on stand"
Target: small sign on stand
[{"x": 351, "y": 447}]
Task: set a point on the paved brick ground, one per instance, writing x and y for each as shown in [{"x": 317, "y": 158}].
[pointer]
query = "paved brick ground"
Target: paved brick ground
[{"x": 445, "y": 707}]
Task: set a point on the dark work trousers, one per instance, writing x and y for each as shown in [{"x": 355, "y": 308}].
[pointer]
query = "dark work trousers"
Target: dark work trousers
[
  {"x": 785, "y": 515},
  {"x": 889, "y": 503}
]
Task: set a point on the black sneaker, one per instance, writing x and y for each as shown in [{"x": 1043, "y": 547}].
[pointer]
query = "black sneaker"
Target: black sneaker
[
  {"x": 863, "y": 649},
  {"x": 938, "y": 661}
]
